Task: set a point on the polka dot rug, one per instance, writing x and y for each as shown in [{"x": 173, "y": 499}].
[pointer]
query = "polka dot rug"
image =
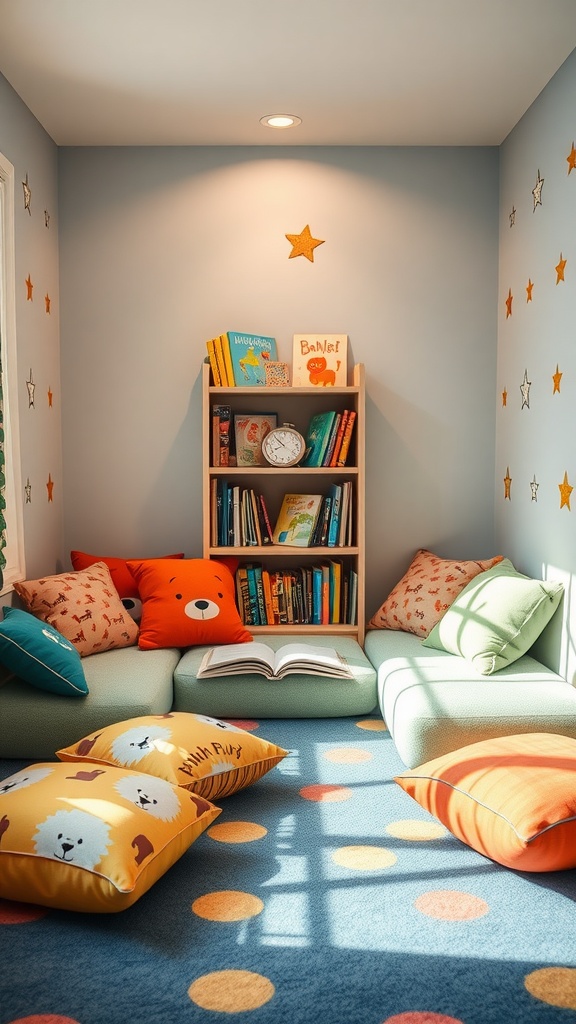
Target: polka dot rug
[{"x": 321, "y": 895}]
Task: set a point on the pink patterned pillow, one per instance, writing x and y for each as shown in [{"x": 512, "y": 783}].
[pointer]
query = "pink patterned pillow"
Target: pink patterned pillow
[
  {"x": 83, "y": 606},
  {"x": 426, "y": 591}
]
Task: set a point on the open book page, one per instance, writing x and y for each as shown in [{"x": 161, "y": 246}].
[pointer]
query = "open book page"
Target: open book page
[{"x": 238, "y": 659}]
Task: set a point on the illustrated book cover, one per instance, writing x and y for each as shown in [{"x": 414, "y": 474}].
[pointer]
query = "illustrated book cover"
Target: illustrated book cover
[
  {"x": 250, "y": 429},
  {"x": 238, "y": 659},
  {"x": 249, "y": 354},
  {"x": 297, "y": 519},
  {"x": 319, "y": 360},
  {"x": 317, "y": 438}
]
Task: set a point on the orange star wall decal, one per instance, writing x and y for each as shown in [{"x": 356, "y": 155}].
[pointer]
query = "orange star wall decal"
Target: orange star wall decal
[
  {"x": 504, "y": 397},
  {"x": 559, "y": 268},
  {"x": 571, "y": 158},
  {"x": 50, "y": 488},
  {"x": 509, "y": 301},
  {"x": 556, "y": 377},
  {"x": 29, "y": 287},
  {"x": 507, "y": 484},
  {"x": 565, "y": 492},
  {"x": 47, "y": 302},
  {"x": 529, "y": 288},
  {"x": 50, "y": 396},
  {"x": 304, "y": 244}
]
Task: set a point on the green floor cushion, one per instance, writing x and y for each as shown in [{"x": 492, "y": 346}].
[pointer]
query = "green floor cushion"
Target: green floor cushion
[
  {"x": 434, "y": 702},
  {"x": 296, "y": 696},
  {"x": 122, "y": 684}
]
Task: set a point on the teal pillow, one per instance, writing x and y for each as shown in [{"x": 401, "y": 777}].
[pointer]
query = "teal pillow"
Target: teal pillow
[
  {"x": 40, "y": 655},
  {"x": 496, "y": 618}
]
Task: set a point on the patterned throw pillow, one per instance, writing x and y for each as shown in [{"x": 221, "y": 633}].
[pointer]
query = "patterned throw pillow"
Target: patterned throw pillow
[
  {"x": 39, "y": 654},
  {"x": 212, "y": 758},
  {"x": 92, "y": 839},
  {"x": 83, "y": 606},
  {"x": 426, "y": 591}
]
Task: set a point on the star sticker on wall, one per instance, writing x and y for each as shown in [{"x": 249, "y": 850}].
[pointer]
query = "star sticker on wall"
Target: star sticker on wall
[
  {"x": 29, "y": 287},
  {"x": 27, "y": 195},
  {"x": 47, "y": 302},
  {"x": 559, "y": 268},
  {"x": 571, "y": 158},
  {"x": 537, "y": 192},
  {"x": 49, "y": 398},
  {"x": 304, "y": 244},
  {"x": 512, "y": 217},
  {"x": 565, "y": 492},
  {"x": 504, "y": 397},
  {"x": 509, "y": 301},
  {"x": 507, "y": 484},
  {"x": 50, "y": 487},
  {"x": 556, "y": 377},
  {"x": 534, "y": 488},
  {"x": 31, "y": 388},
  {"x": 28, "y": 491},
  {"x": 529, "y": 288},
  {"x": 525, "y": 390}
]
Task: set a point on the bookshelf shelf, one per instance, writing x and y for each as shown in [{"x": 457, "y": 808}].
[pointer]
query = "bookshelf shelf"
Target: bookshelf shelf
[{"x": 295, "y": 405}]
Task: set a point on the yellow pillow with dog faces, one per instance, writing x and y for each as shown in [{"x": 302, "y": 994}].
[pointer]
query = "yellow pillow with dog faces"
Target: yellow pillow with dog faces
[
  {"x": 92, "y": 839},
  {"x": 210, "y": 757}
]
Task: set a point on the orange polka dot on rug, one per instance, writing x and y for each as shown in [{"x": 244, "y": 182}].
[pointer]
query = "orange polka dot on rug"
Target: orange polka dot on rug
[
  {"x": 372, "y": 725},
  {"x": 236, "y": 832},
  {"x": 451, "y": 905},
  {"x": 227, "y": 905},
  {"x": 248, "y": 725},
  {"x": 20, "y": 913},
  {"x": 231, "y": 991},
  {"x": 44, "y": 1018},
  {"x": 421, "y": 1017},
  {"x": 553, "y": 985},
  {"x": 416, "y": 831},
  {"x": 326, "y": 794},
  {"x": 364, "y": 858},
  {"x": 348, "y": 755}
]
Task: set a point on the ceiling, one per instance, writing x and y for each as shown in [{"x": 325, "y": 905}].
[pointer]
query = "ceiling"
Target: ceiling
[{"x": 357, "y": 72}]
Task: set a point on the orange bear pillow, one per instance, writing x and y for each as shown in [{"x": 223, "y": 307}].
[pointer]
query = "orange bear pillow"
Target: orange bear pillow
[
  {"x": 186, "y": 603},
  {"x": 122, "y": 578},
  {"x": 426, "y": 591}
]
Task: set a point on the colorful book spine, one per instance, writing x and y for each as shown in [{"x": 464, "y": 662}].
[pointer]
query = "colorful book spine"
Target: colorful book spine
[
  {"x": 339, "y": 436},
  {"x": 220, "y": 360},
  {"x": 334, "y": 526},
  {"x": 216, "y": 378},
  {"x": 317, "y": 437},
  {"x": 332, "y": 439},
  {"x": 223, "y": 414},
  {"x": 345, "y": 447},
  {"x": 268, "y": 537},
  {"x": 227, "y": 360}
]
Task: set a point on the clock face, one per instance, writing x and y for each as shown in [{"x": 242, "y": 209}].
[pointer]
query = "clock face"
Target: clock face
[{"x": 283, "y": 447}]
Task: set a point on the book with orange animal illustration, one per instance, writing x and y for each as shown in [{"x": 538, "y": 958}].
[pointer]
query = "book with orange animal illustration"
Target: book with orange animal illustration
[
  {"x": 250, "y": 429},
  {"x": 248, "y": 356},
  {"x": 320, "y": 360}
]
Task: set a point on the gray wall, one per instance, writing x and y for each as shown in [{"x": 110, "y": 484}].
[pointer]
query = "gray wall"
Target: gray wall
[
  {"x": 536, "y": 440},
  {"x": 27, "y": 146},
  {"x": 163, "y": 248}
]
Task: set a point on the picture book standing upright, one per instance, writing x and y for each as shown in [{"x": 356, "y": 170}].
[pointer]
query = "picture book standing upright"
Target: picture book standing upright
[
  {"x": 248, "y": 356},
  {"x": 320, "y": 360}
]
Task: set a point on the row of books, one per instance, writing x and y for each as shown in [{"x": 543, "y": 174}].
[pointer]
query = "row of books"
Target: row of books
[
  {"x": 239, "y": 360},
  {"x": 239, "y": 517},
  {"x": 322, "y": 594},
  {"x": 328, "y": 438}
]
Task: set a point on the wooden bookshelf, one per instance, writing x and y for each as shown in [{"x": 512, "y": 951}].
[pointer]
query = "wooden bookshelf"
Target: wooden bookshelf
[{"x": 295, "y": 405}]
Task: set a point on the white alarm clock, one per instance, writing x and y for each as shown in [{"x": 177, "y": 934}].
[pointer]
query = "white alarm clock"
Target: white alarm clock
[{"x": 284, "y": 446}]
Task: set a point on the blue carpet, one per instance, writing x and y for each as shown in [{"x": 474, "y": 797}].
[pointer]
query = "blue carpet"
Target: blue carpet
[{"x": 354, "y": 907}]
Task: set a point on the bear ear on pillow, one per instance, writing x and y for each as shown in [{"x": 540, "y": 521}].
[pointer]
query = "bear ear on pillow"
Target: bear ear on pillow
[{"x": 186, "y": 603}]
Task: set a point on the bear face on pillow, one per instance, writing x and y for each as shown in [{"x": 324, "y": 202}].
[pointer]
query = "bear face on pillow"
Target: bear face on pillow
[{"x": 187, "y": 602}]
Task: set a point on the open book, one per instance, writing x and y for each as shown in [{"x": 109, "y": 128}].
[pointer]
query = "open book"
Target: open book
[{"x": 238, "y": 659}]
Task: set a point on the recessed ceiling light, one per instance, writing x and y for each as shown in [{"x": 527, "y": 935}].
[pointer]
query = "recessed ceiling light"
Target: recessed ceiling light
[{"x": 280, "y": 120}]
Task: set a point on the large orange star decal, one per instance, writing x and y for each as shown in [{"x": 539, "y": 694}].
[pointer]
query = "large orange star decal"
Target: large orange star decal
[
  {"x": 571, "y": 158},
  {"x": 565, "y": 492},
  {"x": 556, "y": 377},
  {"x": 304, "y": 244}
]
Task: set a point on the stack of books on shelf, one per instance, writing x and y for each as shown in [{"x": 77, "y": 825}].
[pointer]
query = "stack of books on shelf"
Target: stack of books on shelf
[
  {"x": 328, "y": 438},
  {"x": 323, "y": 594},
  {"x": 239, "y": 360},
  {"x": 239, "y": 517}
]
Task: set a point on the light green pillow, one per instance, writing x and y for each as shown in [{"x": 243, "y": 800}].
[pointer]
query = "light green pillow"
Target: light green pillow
[{"x": 496, "y": 618}]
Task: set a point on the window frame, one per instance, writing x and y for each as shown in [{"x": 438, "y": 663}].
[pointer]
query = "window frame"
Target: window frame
[{"x": 14, "y": 550}]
